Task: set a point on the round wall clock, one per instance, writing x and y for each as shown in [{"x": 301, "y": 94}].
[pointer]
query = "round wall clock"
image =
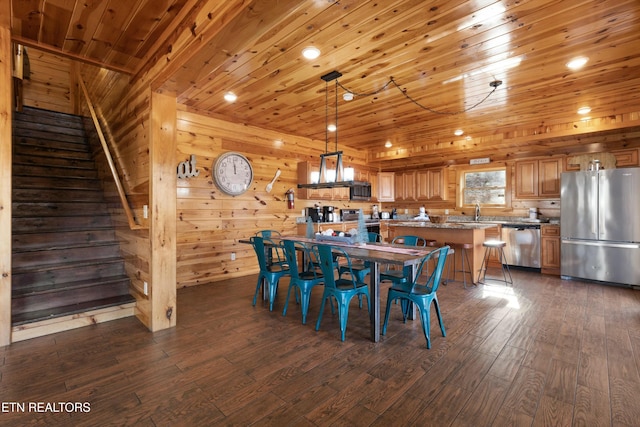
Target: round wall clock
[{"x": 232, "y": 173}]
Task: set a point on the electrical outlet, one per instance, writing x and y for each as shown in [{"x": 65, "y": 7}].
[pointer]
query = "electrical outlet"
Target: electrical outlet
[
  {"x": 145, "y": 211},
  {"x": 146, "y": 288},
  {"x": 446, "y": 211},
  {"x": 233, "y": 256}
]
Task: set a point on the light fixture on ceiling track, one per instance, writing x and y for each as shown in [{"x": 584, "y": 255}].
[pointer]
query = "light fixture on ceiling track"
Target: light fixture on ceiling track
[
  {"x": 340, "y": 176},
  {"x": 349, "y": 95}
]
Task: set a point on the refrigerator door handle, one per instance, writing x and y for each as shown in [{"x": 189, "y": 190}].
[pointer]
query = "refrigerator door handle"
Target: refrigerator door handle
[
  {"x": 594, "y": 208},
  {"x": 607, "y": 244}
]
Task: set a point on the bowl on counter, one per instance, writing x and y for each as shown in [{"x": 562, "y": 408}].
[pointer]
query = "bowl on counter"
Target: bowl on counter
[{"x": 438, "y": 219}]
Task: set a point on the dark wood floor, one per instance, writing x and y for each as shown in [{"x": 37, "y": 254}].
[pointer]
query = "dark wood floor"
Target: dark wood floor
[{"x": 544, "y": 352}]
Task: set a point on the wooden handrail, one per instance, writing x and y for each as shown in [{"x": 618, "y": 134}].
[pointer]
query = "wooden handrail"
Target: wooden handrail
[{"x": 133, "y": 225}]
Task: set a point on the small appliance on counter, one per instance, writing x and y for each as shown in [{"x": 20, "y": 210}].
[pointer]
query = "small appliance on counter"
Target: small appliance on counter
[
  {"x": 315, "y": 214},
  {"x": 423, "y": 214},
  {"x": 385, "y": 215},
  {"x": 394, "y": 213},
  {"x": 328, "y": 214},
  {"x": 374, "y": 212}
]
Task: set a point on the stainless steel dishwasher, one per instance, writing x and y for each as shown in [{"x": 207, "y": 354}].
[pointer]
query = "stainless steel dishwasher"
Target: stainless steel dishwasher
[{"x": 523, "y": 244}]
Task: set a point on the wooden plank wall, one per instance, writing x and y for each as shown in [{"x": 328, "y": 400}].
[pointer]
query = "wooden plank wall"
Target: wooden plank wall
[
  {"x": 49, "y": 83},
  {"x": 6, "y": 109},
  {"x": 210, "y": 223},
  {"x": 124, "y": 111}
]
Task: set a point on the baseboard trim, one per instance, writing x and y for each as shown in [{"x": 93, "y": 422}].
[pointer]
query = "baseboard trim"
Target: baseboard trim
[{"x": 65, "y": 323}]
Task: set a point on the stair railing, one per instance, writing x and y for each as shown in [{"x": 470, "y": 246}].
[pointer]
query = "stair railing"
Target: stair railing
[{"x": 133, "y": 225}]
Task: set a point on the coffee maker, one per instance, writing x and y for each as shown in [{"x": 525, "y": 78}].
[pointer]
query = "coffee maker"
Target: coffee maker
[
  {"x": 315, "y": 214},
  {"x": 328, "y": 214}
]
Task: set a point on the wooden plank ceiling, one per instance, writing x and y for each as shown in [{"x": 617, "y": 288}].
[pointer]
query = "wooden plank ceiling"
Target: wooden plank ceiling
[{"x": 441, "y": 55}]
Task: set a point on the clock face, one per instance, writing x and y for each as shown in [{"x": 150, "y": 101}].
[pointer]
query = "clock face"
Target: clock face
[{"x": 232, "y": 172}]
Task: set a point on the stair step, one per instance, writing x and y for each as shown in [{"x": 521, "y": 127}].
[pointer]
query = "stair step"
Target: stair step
[
  {"x": 55, "y": 183},
  {"x": 48, "y": 288},
  {"x": 39, "y": 241},
  {"x": 30, "y": 160},
  {"x": 60, "y": 224},
  {"x": 55, "y": 195},
  {"x": 69, "y": 294},
  {"x": 62, "y": 273},
  {"x": 65, "y": 256},
  {"x": 42, "y": 258},
  {"x": 37, "y": 134},
  {"x": 58, "y": 242},
  {"x": 48, "y": 209},
  {"x": 36, "y": 316},
  {"x": 47, "y": 117},
  {"x": 56, "y": 147},
  {"x": 60, "y": 172}
]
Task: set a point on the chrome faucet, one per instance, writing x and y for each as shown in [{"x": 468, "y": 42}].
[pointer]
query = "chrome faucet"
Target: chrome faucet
[{"x": 476, "y": 217}]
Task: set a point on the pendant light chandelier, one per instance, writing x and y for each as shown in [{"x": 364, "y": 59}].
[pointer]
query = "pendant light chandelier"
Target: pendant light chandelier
[{"x": 340, "y": 176}]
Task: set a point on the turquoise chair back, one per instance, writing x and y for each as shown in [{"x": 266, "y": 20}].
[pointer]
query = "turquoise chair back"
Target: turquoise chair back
[
  {"x": 302, "y": 280},
  {"x": 432, "y": 281},
  {"x": 343, "y": 290},
  {"x": 420, "y": 293},
  {"x": 410, "y": 240},
  {"x": 270, "y": 273},
  {"x": 268, "y": 233}
]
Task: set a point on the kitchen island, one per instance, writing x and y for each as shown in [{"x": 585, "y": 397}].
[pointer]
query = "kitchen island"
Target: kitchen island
[{"x": 464, "y": 232}]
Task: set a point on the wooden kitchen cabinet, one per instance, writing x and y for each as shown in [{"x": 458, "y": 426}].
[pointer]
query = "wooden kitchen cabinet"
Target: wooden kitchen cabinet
[
  {"x": 405, "y": 186},
  {"x": 386, "y": 187},
  {"x": 538, "y": 178},
  {"x": 550, "y": 249},
  {"x": 431, "y": 184}
]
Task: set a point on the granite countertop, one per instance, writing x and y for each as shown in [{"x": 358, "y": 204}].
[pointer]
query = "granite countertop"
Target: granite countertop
[{"x": 446, "y": 225}]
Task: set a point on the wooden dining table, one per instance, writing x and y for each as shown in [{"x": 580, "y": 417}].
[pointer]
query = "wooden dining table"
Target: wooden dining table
[{"x": 376, "y": 254}]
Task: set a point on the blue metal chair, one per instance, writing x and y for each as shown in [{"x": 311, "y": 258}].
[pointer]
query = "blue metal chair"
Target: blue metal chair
[
  {"x": 420, "y": 294},
  {"x": 301, "y": 279},
  {"x": 361, "y": 269},
  {"x": 279, "y": 257},
  {"x": 270, "y": 274},
  {"x": 343, "y": 290},
  {"x": 397, "y": 275}
]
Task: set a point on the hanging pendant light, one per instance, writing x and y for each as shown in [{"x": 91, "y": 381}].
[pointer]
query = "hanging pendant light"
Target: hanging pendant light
[{"x": 340, "y": 176}]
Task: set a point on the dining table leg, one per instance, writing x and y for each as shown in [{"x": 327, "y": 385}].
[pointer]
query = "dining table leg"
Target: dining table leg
[{"x": 374, "y": 294}]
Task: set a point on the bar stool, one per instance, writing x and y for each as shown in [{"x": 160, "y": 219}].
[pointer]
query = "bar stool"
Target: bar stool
[
  {"x": 497, "y": 247},
  {"x": 431, "y": 244},
  {"x": 460, "y": 248}
]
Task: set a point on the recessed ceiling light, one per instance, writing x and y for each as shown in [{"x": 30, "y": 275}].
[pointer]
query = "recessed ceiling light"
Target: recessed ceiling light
[
  {"x": 584, "y": 110},
  {"x": 388, "y": 144},
  {"x": 458, "y": 132},
  {"x": 331, "y": 128},
  {"x": 230, "y": 97},
  {"x": 468, "y": 137},
  {"x": 348, "y": 96},
  {"x": 311, "y": 52},
  {"x": 577, "y": 63}
]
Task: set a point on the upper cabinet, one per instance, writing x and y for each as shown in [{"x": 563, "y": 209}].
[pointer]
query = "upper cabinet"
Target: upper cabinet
[
  {"x": 538, "y": 178},
  {"x": 386, "y": 187},
  {"x": 405, "y": 186},
  {"x": 431, "y": 184}
]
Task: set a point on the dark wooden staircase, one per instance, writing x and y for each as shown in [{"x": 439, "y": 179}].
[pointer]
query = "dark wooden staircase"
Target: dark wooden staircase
[{"x": 65, "y": 257}]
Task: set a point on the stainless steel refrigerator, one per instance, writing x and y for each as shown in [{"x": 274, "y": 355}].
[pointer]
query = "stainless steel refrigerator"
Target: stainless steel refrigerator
[{"x": 600, "y": 225}]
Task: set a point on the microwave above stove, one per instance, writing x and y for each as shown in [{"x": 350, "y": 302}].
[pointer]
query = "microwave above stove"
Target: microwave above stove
[{"x": 360, "y": 191}]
